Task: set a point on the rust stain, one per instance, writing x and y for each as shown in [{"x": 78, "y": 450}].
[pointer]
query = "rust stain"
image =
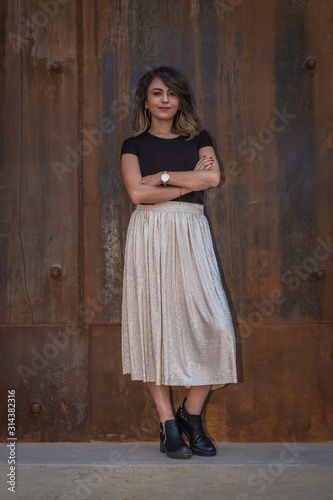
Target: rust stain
[{"x": 64, "y": 408}]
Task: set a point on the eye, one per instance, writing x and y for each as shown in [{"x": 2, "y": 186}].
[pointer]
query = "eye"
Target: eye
[
  {"x": 156, "y": 93},
  {"x": 172, "y": 93}
]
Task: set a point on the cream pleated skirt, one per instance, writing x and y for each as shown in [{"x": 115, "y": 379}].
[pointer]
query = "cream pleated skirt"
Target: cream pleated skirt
[{"x": 176, "y": 323}]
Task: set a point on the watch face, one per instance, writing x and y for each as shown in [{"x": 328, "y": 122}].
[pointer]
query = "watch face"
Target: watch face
[{"x": 165, "y": 177}]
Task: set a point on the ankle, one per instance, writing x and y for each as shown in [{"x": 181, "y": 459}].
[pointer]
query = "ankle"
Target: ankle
[
  {"x": 166, "y": 417},
  {"x": 191, "y": 409}
]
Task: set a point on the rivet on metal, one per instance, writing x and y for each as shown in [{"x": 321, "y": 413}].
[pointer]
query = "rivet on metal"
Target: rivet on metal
[
  {"x": 36, "y": 408},
  {"x": 57, "y": 66},
  {"x": 55, "y": 271},
  {"x": 310, "y": 64},
  {"x": 318, "y": 272}
]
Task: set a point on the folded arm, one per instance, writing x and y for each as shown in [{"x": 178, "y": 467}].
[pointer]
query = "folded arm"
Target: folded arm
[
  {"x": 206, "y": 173},
  {"x": 149, "y": 189},
  {"x": 145, "y": 193}
]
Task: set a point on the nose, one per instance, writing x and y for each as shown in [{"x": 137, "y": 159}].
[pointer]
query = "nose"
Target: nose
[{"x": 165, "y": 97}]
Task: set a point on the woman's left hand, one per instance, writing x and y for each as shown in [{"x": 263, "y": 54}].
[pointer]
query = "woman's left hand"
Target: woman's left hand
[{"x": 205, "y": 163}]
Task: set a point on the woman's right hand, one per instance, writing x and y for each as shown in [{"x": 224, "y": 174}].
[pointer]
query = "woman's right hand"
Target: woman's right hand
[{"x": 204, "y": 163}]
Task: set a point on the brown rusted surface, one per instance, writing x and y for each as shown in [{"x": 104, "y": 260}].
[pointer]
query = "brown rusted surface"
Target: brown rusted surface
[
  {"x": 40, "y": 207},
  {"x": 261, "y": 73},
  {"x": 39, "y": 124},
  {"x": 119, "y": 408},
  {"x": 286, "y": 393},
  {"x": 48, "y": 369}
]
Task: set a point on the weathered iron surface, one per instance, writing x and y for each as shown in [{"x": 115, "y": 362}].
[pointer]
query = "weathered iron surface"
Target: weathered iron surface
[
  {"x": 40, "y": 206},
  {"x": 39, "y": 128},
  {"x": 48, "y": 368},
  {"x": 261, "y": 73}
]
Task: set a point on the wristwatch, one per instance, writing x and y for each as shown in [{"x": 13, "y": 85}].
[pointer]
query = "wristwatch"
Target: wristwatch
[{"x": 165, "y": 178}]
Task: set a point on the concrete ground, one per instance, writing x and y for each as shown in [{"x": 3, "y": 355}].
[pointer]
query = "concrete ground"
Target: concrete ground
[{"x": 138, "y": 471}]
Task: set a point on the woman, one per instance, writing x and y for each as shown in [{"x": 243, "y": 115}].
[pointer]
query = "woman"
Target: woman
[{"x": 176, "y": 324}]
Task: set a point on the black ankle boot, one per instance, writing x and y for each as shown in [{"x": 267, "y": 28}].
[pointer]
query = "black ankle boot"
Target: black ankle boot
[
  {"x": 171, "y": 441},
  {"x": 199, "y": 443}
]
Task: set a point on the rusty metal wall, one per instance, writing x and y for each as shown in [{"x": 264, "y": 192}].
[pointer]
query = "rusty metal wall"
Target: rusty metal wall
[
  {"x": 261, "y": 75},
  {"x": 44, "y": 344}
]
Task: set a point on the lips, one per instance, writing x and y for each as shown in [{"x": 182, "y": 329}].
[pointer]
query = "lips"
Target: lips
[{"x": 164, "y": 109}]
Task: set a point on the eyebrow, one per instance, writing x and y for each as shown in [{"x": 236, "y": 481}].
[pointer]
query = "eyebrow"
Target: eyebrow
[{"x": 158, "y": 89}]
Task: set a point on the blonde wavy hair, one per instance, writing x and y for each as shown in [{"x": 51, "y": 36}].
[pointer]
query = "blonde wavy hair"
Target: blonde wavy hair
[{"x": 185, "y": 121}]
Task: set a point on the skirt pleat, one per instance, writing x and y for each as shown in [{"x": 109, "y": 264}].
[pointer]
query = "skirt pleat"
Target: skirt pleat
[{"x": 176, "y": 323}]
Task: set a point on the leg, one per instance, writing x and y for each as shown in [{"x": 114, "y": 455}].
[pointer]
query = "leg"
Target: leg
[
  {"x": 190, "y": 420},
  {"x": 196, "y": 398},
  {"x": 171, "y": 441},
  {"x": 161, "y": 397}
]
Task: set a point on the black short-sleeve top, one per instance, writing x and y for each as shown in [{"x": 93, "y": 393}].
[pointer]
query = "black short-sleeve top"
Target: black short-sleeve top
[{"x": 157, "y": 154}]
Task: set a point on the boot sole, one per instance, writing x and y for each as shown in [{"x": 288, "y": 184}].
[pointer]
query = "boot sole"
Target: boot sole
[
  {"x": 175, "y": 454},
  {"x": 203, "y": 453}
]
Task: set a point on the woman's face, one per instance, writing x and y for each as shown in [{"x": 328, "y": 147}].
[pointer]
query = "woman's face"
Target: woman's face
[{"x": 162, "y": 103}]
